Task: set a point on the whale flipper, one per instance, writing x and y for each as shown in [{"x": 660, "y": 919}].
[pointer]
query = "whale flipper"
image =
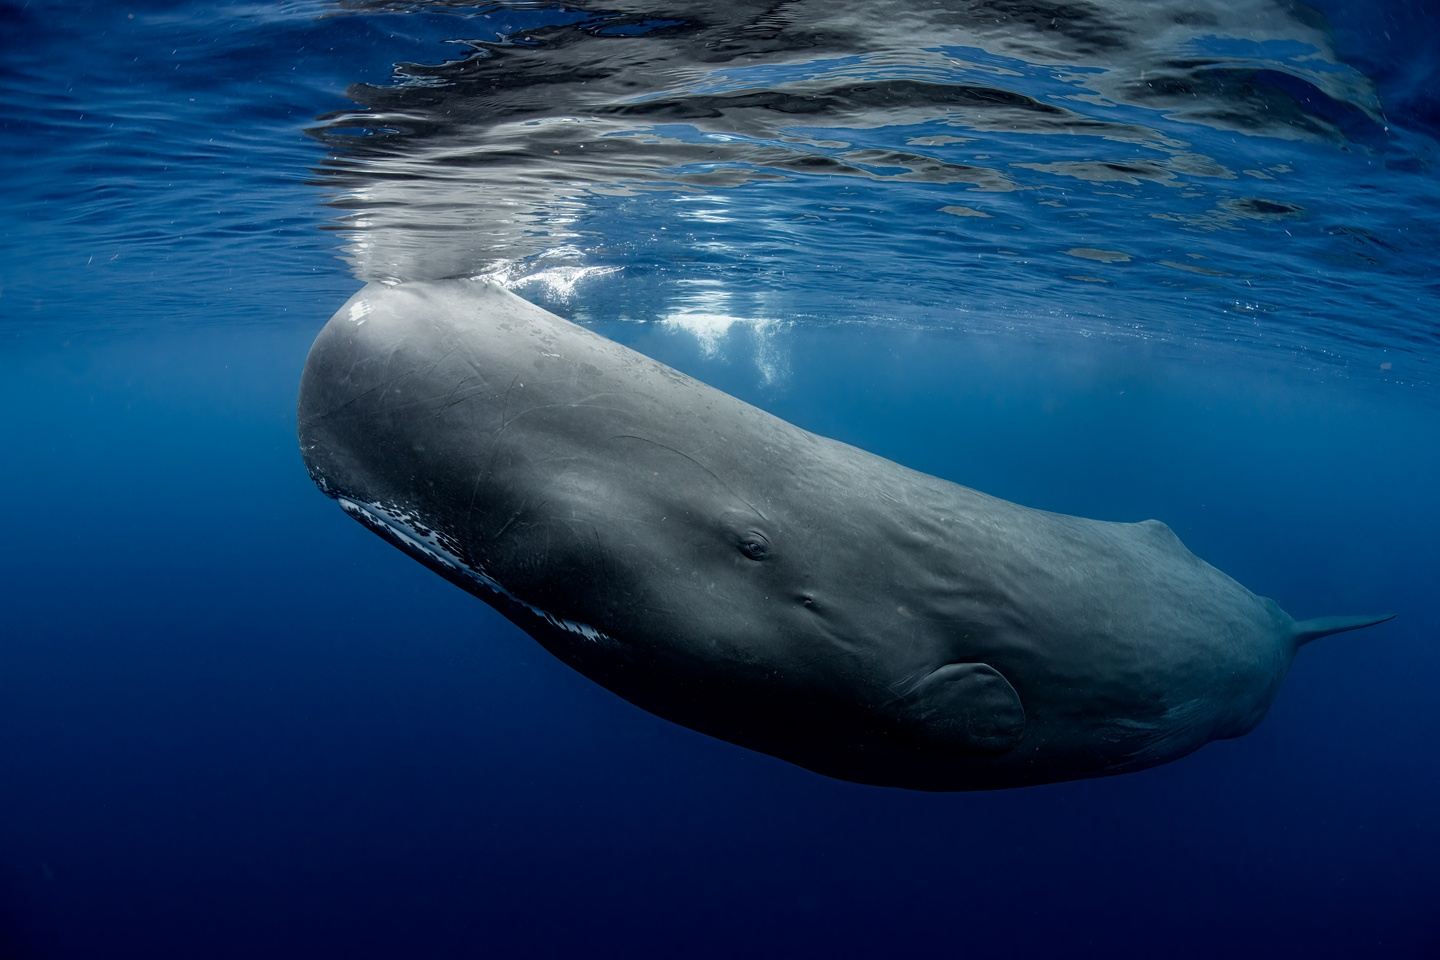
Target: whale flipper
[
  {"x": 1307, "y": 630},
  {"x": 967, "y": 706}
]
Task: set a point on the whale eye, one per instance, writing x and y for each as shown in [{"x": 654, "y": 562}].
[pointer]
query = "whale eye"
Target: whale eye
[{"x": 754, "y": 545}]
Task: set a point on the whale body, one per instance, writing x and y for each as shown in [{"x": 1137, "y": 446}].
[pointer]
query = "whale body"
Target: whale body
[{"x": 751, "y": 580}]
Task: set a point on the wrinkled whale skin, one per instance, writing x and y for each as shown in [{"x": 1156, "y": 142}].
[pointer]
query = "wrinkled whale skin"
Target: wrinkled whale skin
[{"x": 746, "y": 578}]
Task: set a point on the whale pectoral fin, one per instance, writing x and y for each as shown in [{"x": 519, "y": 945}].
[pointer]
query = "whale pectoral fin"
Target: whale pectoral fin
[{"x": 966, "y": 706}]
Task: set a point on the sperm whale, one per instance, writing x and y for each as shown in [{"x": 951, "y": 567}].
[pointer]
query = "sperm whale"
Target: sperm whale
[{"x": 751, "y": 580}]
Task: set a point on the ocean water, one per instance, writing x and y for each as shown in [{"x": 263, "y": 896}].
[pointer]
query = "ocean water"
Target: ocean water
[{"x": 1123, "y": 260}]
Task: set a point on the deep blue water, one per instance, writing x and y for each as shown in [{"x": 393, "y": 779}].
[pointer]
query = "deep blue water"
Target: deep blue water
[{"x": 1118, "y": 260}]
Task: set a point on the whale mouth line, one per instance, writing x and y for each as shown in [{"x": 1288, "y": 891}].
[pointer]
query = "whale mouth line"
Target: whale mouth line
[{"x": 423, "y": 541}]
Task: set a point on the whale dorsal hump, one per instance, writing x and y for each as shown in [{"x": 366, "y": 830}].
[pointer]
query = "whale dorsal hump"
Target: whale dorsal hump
[
  {"x": 1161, "y": 534},
  {"x": 969, "y": 707}
]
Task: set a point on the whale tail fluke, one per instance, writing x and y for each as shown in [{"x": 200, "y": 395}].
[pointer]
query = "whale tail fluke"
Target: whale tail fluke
[{"x": 1306, "y": 630}]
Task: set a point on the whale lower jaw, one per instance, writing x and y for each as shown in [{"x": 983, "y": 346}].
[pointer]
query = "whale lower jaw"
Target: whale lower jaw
[{"x": 411, "y": 534}]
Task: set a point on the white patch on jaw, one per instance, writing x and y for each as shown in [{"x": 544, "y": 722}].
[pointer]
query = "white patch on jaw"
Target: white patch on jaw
[
  {"x": 403, "y": 525},
  {"x": 359, "y": 310}
]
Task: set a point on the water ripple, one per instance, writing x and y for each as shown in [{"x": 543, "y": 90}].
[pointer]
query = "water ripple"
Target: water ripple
[{"x": 1194, "y": 173}]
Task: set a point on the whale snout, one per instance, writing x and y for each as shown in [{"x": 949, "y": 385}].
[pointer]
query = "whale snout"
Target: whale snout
[
  {"x": 435, "y": 437},
  {"x": 373, "y": 382}
]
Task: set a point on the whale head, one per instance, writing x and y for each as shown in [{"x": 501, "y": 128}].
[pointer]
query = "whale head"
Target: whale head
[{"x": 591, "y": 503}]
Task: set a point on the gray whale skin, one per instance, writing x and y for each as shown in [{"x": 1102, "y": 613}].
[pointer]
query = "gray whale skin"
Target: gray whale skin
[{"x": 746, "y": 578}]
